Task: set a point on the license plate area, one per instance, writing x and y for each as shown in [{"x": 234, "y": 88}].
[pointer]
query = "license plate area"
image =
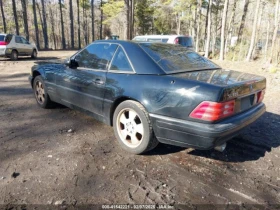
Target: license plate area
[{"x": 247, "y": 102}]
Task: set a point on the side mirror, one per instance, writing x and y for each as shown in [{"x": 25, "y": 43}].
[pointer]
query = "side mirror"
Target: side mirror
[{"x": 67, "y": 62}]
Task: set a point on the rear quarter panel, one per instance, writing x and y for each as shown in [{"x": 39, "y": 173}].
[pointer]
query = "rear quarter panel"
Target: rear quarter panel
[{"x": 159, "y": 94}]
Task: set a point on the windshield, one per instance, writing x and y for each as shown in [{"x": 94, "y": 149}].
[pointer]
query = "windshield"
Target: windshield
[
  {"x": 2, "y": 38},
  {"x": 175, "y": 58}
]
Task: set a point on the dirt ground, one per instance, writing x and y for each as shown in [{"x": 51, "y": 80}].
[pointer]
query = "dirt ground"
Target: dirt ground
[{"x": 43, "y": 162}]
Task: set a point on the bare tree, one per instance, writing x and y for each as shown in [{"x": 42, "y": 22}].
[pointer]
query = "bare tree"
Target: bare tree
[
  {"x": 45, "y": 26},
  {"x": 131, "y": 18},
  {"x": 208, "y": 28},
  {"x": 52, "y": 27},
  {"x": 276, "y": 27},
  {"x": 241, "y": 27},
  {"x": 92, "y": 18},
  {"x": 198, "y": 22},
  {"x": 85, "y": 25},
  {"x": 15, "y": 16},
  {"x": 253, "y": 38},
  {"x": 71, "y": 23},
  {"x": 62, "y": 26},
  {"x": 79, "y": 28},
  {"x": 24, "y": 12},
  {"x": 231, "y": 24},
  {"x": 127, "y": 8},
  {"x": 222, "y": 54},
  {"x": 36, "y": 24},
  {"x": 3, "y": 16},
  {"x": 101, "y": 20}
]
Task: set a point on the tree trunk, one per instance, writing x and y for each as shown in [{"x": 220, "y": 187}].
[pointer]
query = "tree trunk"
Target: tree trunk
[
  {"x": 206, "y": 22},
  {"x": 178, "y": 24},
  {"x": 222, "y": 54},
  {"x": 86, "y": 26},
  {"x": 127, "y": 19},
  {"x": 198, "y": 25},
  {"x": 45, "y": 26},
  {"x": 71, "y": 24},
  {"x": 92, "y": 19},
  {"x": 62, "y": 26},
  {"x": 79, "y": 28},
  {"x": 40, "y": 15},
  {"x": 101, "y": 19},
  {"x": 241, "y": 28},
  {"x": 231, "y": 25},
  {"x": 267, "y": 39},
  {"x": 132, "y": 19},
  {"x": 53, "y": 24},
  {"x": 24, "y": 12},
  {"x": 36, "y": 24},
  {"x": 208, "y": 29},
  {"x": 15, "y": 16},
  {"x": 276, "y": 28},
  {"x": 3, "y": 16},
  {"x": 253, "y": 38}
]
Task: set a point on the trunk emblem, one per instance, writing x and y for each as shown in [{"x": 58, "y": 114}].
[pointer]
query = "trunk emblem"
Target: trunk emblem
[{"x": 251, "y": 87}]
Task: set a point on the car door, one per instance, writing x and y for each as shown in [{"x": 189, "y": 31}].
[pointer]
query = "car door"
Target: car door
[
  {"x": 19, "y": 45},
  {"x": 84, "y": 80},
  {"x": 27, "y": 47}
]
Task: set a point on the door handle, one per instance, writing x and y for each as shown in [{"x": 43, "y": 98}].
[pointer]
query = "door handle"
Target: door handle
[{"x": 99, "y": 82}]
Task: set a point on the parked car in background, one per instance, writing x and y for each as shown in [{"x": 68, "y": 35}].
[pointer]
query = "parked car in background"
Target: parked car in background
[
  {"x": 185, "y": 41},
  {"x": 153, "y": 92},
  {"x": 12, "y": 46}
]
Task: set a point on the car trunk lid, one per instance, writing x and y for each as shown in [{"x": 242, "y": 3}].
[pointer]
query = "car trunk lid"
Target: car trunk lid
[{"x": 246, "y": 89}]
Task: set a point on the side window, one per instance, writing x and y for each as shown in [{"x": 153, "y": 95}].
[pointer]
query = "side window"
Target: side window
[
  {"x": 96, "y": 56},
  {"x": 24, "y": 41},
  {"x": 18, "y": 40},
  {"x": 120, "y": 61},
  {"x": 8, "y": 38}
]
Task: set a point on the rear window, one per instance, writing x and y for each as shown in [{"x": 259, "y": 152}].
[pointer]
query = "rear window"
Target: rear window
[
  {"x": 140, "y": 39},
  {"x": 186, "y": 41},
  {"x": 153, "y": 40},
  {"x": 8, "y": 38},
  {"x": 2, "y": 38},
  {"x": 175, "y": 58}
]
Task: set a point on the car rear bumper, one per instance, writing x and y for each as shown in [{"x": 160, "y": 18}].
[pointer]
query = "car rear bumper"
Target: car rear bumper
[
  {"x": 201, "y": 135},
  {"x": 2, "y": 52}
]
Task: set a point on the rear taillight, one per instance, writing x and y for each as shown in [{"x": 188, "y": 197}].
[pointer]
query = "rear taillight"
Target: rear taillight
[
  {"x": 212, "y": 111},
  {"x": 3, "y": 43},
  {"x": 260, "y": 96},
  {"x": 176, "y": 41}
]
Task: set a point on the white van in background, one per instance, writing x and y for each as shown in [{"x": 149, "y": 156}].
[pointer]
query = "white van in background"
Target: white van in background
[{"x": 186, "y": 41}]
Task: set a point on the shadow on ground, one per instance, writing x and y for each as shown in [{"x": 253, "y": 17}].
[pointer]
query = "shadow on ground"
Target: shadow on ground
[
  {"x": 258, "y": 139},
  {"x": 24, "y": 59}
]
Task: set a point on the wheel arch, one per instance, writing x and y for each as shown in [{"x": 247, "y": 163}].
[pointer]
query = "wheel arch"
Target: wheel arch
[
  {"x": 14, "y": 49},
  {"x": 117, "y": 102},
  {"x": 34, "y": 75}
]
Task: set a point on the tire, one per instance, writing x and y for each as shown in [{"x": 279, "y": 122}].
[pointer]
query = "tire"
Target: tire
[
  {"x": 34, "y": 54},
  {"x": 133, "y": 129},
  {"x": 14, "y": 55},
  {"x": 40, "y": 93}
]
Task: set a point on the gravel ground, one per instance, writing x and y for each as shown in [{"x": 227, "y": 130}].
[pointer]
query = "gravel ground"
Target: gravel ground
[{"x": 61, "y": 156}]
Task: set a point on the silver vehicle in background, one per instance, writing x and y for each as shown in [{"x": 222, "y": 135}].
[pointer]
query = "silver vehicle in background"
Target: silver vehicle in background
[
  {"x": 186, "y": 41},
  {"x": 13, "y": 46}
]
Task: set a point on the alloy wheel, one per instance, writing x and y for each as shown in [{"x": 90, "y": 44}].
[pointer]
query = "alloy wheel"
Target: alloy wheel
[
  {"x": 40, "y": 92},
  {"x": 130, "y": 127}
]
